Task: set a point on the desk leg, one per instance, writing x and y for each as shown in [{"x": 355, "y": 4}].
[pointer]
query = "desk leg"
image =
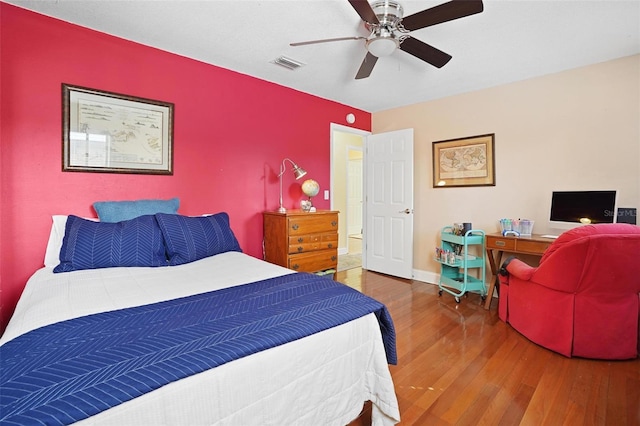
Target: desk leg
[{"x": 494, "y": 261}]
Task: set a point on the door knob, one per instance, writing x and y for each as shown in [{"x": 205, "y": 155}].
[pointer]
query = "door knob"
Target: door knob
[{"x": 406, "y": 211}]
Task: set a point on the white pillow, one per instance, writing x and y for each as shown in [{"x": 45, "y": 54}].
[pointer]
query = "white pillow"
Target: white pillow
[{"x": 52, "y": 254}]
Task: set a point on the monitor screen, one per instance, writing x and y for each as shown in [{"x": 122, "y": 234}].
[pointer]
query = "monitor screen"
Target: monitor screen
[{"x": 583, "y": 207}]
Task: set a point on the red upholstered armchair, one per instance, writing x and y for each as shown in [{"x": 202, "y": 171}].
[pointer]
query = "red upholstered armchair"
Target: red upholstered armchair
[{"x": 584, "y": 297}]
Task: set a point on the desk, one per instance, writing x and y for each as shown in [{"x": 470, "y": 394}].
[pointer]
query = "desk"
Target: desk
[{"x": 496, "y": 244}]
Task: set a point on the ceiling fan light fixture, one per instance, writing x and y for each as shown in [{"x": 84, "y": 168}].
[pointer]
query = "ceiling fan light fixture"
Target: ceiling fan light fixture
[
  {"x": 388, "y": 12},
  {"x": 382, "y": 46}
]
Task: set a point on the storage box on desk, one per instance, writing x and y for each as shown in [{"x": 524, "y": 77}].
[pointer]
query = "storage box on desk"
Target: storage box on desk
[
  {"x": 519, "y": 226},
  {"x": 525, "y": 227}
]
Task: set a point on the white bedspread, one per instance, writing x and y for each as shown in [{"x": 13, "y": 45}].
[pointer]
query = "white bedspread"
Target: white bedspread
[{"x": 323, "y": 379}]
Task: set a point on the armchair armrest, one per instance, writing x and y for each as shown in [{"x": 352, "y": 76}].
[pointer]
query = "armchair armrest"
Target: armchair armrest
[{"x": 517, "y": 268}]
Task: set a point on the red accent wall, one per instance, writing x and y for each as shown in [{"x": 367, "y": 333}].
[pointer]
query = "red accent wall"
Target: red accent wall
[{"x": 231, "y": 133}]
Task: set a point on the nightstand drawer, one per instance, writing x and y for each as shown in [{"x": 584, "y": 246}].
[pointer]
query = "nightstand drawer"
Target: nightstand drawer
[
  {"x": 305, "y": 239},
  {"x": 331, "y": 240},
  {"x": 305, "y": 243},
  {"x": 313, "y": 224},
  {"x": 314, "y": 261}
]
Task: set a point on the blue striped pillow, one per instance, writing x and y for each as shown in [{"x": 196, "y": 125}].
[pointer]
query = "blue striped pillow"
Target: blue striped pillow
[
  {"x": 92, "y": 245},
  {"x": 190, "y": 238}
]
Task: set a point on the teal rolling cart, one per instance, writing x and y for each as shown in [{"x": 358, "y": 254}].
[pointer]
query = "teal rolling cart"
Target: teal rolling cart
[{"x": 458, "y": 263}]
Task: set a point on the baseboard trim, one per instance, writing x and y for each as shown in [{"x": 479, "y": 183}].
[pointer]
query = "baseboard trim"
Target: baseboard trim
[
  {"x": 431, "y": 277},
  {"x": 428, "y": 277}
]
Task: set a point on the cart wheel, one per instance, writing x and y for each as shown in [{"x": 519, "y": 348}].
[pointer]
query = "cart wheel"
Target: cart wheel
[
  {"x": 439, "y": 292},
  {"x": 484, "y": 298},
  {"x": 457, "y": 299}
]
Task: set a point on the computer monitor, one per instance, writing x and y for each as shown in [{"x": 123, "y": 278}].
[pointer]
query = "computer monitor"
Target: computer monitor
[{"x": 574, "y": 208}]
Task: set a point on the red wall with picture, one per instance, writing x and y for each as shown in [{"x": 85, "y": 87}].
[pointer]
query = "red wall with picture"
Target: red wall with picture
[{"x": 231, "y": 133}]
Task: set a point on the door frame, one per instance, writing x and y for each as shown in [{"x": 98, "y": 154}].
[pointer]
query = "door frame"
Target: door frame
[{"x": 334, "y": 127}]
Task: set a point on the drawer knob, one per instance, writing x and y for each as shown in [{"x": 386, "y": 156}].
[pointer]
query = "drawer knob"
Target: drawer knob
[
  {"x": 296, "y": 267},
  {"x": 334, "y": 223},
  {"x": 500, "y": 243},
  {"x": 300, "y": 249},
  {"x": 295, "y": 226},
  {"x": 300, "y": 239},
  {"x": 330, "y": 245},
  {"x": 333, "y": 258}
]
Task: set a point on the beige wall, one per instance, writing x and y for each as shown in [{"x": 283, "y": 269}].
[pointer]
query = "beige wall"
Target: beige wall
[
  {"x": 578, "y": 129},
  {"x": 339, "y": 155}
]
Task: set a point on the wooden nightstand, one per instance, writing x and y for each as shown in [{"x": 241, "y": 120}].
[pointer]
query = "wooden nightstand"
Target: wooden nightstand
[{"x": 304, "y": 242}]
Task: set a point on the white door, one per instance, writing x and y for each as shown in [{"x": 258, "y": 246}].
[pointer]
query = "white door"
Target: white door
[
  {"x": 388, "y": 236},
  {"x": 354, "y": 196}
]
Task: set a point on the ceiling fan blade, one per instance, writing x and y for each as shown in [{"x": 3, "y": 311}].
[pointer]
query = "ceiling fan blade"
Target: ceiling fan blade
[
  {"x": 426, "y": 52},
  {"x": 367, "y": 66},
  {"x": 325, "y": 40},
  {"x": 365, "y": 11},
  {"x": 442, "y": 13}
]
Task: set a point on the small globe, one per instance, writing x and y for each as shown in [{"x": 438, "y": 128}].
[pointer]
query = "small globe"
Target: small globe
[{"x": 310, "y": 188}]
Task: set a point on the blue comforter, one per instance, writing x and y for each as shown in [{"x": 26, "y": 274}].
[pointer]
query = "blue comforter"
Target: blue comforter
[{"x": 68, "y": 371}]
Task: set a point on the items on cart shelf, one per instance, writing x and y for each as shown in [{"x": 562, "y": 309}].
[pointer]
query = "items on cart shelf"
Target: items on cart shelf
[
  {"x": 451, "y": 257},
  {"x": 461, "y": 228}
]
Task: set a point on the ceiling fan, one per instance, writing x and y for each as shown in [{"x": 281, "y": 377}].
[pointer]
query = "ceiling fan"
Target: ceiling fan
[{"x": 389, "y": 30}]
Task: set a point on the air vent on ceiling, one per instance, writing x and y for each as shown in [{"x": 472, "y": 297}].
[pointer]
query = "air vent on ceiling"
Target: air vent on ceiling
[{"x": 288, "y": 63}]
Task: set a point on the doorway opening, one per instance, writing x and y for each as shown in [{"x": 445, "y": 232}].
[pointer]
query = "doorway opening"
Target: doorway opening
[
  {"x": 347, "y": 192},
  {"x": 355, "y": 200}
]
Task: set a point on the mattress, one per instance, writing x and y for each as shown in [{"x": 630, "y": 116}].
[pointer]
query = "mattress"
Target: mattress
[{"x": 321, "y": 379}]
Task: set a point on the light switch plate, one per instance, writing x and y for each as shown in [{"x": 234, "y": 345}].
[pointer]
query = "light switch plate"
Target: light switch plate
[{"x": 326, "y": 194}]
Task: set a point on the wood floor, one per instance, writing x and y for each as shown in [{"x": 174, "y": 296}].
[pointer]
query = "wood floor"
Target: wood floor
[{"x": 458, "y": 364}]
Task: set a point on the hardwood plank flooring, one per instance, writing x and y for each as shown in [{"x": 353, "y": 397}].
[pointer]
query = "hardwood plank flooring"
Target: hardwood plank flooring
[{"x": 458, "y": 364}]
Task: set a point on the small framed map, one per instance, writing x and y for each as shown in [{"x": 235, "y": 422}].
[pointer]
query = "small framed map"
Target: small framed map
[
  {"x": 114, "y": 133},
  {"x": 464, "y": 162}
]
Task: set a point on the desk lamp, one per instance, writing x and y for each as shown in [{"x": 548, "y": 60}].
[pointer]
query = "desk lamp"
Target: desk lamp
[{"x": 297, "y": 171}]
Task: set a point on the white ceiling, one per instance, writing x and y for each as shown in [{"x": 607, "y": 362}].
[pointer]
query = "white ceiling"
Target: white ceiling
[{"x": 510, "y": 40}]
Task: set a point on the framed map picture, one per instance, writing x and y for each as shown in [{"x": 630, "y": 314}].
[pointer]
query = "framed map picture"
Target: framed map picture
[
  {"x": 464, "y": 162},
  {"x": 114, "y": 133}
]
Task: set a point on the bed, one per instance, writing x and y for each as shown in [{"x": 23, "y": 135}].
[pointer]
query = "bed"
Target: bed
[{"x": 322, "y": 378}]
